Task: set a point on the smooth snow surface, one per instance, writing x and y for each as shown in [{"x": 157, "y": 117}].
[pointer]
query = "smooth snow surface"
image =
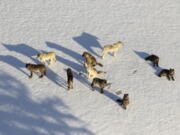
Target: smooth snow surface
[{"x": 70, "y": 27}]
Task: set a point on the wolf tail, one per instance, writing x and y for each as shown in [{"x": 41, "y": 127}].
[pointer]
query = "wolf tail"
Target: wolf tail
[
  {"x": 147, "y": 58},
  {"x": 120, "y": 101},
  {"x": 101, "y": 65},
  {"x": 101, "y": 72}
]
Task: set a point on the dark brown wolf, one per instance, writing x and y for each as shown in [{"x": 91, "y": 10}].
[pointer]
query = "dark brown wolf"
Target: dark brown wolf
[
  {"x": 36, "y": 68},
  {"x": 102, "y": 83},
  {"x": 154, "y": 59},
  {"x": 69, "y": 79},
  {"x": 91, "y": 60},
  {"x": 125, "y": 101},
  {"x": 169, "y": 73}
]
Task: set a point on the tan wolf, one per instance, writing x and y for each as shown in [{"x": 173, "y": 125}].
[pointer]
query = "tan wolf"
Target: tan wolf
[
  {"x": 111, "y": 48},
  {"x": 91, "y": 59},
  {"x": 43, "y": 57}
]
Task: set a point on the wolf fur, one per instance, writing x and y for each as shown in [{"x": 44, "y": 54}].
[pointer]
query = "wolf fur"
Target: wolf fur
[
  {"x": 69, "y": 79},
  {"x": 154, "y": 59},
  {"x": 125, "y": 101},
  {"x": 169, "y": 73},
  {"x": 102, "y": 83},
  {"x": 36, "y": 68},
  {"x": 43, "y": 57},
  {"x": 92, "y": 72},
  {"x": 111, "y": 48},
  {"x": 91, "y": 59}
]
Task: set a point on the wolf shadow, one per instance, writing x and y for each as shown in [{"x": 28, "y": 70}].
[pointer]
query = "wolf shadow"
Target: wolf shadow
[
  {"x": 144, "y": 55},
  {"x": 88, "y": 41},
  {"x": 23, "y": 49},
  {"x": 76, "y": 67},
  {"x": 67, "y": 51},
  {"x": 21, "y": 115},
  {"x": 51, "y": 75},
  {"x": 111, "y": 96},
  {"x": 14, "y": 62}
]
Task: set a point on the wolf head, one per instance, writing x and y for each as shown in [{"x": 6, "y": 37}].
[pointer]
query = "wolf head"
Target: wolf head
[
  {"x": 105, "y": 82},
  {"x": 69, "y": 70},
  {"x": 126, "y": 96},
  {"x": 119, "y": 42},
  {"x": 27, "y": 65},
  {"x": 171, "y": 70},
  {"x": 38, "y": 55},
  {"x": 84, "y": 54}
]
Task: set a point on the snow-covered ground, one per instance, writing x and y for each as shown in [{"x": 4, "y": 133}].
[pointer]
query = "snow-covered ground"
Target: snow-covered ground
[{"x": 70, "y": 27}]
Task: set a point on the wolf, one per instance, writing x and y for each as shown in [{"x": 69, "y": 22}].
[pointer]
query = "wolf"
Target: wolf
[
  {"x": 169, "y": 73},
  {"x": 92, "y": 72},
  {"x": 36, "y": 68},
  {"x": 69, "y": 78},
  {"x": 91, "y": 59},
  {"x": 111, "y": 48},
  {"x": 125, "y": 101},
  {"x": 154, "y": 59},
  {"x": 102, "y": 83},
  {"x": 43, "y": 57}
]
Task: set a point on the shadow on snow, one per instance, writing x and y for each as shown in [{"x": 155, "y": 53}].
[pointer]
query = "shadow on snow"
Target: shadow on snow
[{"x": 21, "y": 115}]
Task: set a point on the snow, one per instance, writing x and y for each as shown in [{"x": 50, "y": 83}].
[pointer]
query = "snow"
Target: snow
[{"x": 45, "y": 106}]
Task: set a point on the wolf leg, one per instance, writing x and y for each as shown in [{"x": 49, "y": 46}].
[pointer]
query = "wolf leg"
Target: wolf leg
[
  {"x": 89, "y": 76},
  {"x": 71, "y": 85},
  {"x": 92, "y": 86},
  {"x": 42, "y": 74},
  {"x": 123, "y": 106},
  {"x": 103, "y": 54},
  {"x": 31, "y": 75},
  {"x": 102, "y": 91},
  {"x": 68, "y": 87},
  {"x": 168, "y": 78},
  {"x": 156, "y": 63},
  {"x": 54, "y": 59},
  {"x": 114, "y": 53}
]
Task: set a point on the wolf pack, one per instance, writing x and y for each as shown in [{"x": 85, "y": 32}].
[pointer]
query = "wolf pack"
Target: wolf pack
[{"x": 93, "y": 74}]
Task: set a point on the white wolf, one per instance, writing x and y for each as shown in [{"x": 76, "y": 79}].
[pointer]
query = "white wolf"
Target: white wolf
[
  {"x": 111, "y": 48},
  {"x": 92, "y": 72},
  {"x": 49, "y": 57}
]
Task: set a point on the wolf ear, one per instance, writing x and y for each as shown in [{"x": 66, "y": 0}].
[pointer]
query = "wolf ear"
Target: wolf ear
[{"x": 126, "y": 95}]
